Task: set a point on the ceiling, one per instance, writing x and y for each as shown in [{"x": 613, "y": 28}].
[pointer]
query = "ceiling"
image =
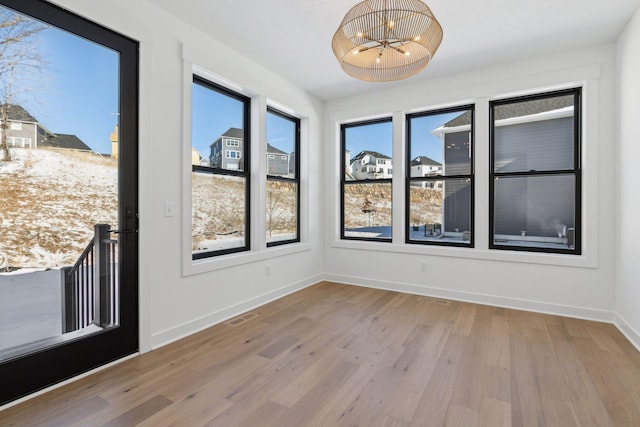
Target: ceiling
[{"x": 293, "y": 37}]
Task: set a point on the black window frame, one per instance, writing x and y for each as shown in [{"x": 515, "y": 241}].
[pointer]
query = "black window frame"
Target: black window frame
[
  {"x": 471, "y": 177},
  {"x": 245, "y": 173},
  {"x": 295, "y": 179},
  {"x": 344, "y": 182},
  {"x": 576, "y": 171}
]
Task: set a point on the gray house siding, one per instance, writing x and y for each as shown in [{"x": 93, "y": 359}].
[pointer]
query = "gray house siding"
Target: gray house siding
[
  {"x": 534, "y": 146},
  {"x": 277, "y": 161},
  {"x": 227, "y": 151},
  {"x": 457, "y": 197},
  {"x": 540, "y": 205}
]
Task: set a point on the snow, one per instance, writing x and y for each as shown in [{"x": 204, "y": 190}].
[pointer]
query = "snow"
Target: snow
[{"x": 50, "y": 201}]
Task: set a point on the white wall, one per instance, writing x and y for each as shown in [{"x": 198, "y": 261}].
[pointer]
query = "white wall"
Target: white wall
[
  {"x": 172, "y": 304},
  {"x": 581, "y": 286},
  {"x": 628, "y": 225}
]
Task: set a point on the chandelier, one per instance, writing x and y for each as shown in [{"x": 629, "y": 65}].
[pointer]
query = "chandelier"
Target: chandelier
[{"x": 385, "y": 40}]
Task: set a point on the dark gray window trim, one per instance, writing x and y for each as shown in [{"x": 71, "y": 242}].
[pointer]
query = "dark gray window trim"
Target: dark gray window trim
[
  {"x": 295, "y": 180},
  {"x": 245, "y": 173},
  {"x": 576, "y": 171},
  {"x": 470, "y": 176},
  {"x": 344, "y": 182}
]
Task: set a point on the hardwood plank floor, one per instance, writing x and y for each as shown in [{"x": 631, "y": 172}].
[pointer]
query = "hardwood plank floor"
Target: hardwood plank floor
[{"x": 334, "y": 354}]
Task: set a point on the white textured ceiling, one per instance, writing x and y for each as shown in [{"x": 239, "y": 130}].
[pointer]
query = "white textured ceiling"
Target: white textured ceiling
[{"x": 293, "y": 37}]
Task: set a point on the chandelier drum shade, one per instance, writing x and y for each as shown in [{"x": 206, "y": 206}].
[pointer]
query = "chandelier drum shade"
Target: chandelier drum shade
[{"x": 386, "y": 40}]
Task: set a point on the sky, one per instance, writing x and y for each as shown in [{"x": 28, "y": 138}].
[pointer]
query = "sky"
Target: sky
[
  {"x": 213, "y": 113},
  {"x": 378, "y": 137},
  {"x": 78, "y": 95},
  {"x": 78, "y": 91}
]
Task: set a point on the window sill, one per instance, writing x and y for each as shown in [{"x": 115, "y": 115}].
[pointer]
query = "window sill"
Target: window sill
[
  {"x": 579, "y": 261},
  {"x": 192, "y": 267}
]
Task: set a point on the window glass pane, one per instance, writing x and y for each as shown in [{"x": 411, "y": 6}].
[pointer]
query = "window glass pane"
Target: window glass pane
[
  {"x": 535, "y": 135},
  {"x": 282, "y": 207},
  {"x": 217, "y": 129},
  {"x": 440, "y": 211},
  {"x": 218, "y": 212},
  {"x": 367, "y": 210},
  {"x": 441, "y": 144},
  {"x": 368, "y": 150},
  {"x": 535, "y": 211},
  {"x": 281, "y": 142}
]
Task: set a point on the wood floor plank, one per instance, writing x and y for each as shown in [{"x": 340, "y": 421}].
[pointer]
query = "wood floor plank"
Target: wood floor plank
[
  {"x": 140, "y": 413},
  {"x": 494, "y": 413},
  {"x": 335, "y": 354}
]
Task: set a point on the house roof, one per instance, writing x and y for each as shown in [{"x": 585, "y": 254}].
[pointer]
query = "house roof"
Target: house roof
[
  {"x": 230, "y": 133},
  {"x": 425, "y": 161},
  {"x": 18, "y": 113},
  {"x": 517, "y": 109},
  {"x": 273, "y": 150},
  {"x": 369, "y": 153},
  {"x": 234, "y": 133},
  {"x": 62, "y": 140}
]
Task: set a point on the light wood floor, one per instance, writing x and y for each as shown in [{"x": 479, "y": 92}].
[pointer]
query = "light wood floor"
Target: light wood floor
[{"x": 343, "y": 355}]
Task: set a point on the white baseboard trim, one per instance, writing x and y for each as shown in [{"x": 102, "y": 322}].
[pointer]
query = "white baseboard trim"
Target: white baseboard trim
[
  {"x": 477, "y": 298},
  {"x": 189, "y": 328},
  {"x": 628, "y": 331}
]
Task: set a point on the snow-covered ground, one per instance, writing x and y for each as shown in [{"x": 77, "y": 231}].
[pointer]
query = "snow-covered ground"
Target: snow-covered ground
[{"x": 50, "y": 201}]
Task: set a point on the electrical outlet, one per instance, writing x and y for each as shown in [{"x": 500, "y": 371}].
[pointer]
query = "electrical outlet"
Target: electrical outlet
[
  {"x": 268, "y": 270},
  {"x": 423, "y": 266}
]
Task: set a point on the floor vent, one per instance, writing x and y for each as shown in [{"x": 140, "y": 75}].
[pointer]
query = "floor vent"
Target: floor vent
[
  {"x": 441, "y": 301},
  {"x": 243, "y": 318}
]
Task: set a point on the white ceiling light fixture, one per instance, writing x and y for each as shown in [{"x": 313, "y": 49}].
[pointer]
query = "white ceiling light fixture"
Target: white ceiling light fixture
[{"x": 386, "y": 40}]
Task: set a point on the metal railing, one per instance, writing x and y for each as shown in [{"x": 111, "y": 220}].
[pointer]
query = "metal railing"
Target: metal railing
[{"x": 89, "y": 288}]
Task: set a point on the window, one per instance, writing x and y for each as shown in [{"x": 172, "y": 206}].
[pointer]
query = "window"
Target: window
[
  {"x": 439, "y": 190},
  {"x": 220, "y": 191},
  {"x": 535, "y": 173},
  {"x": 232, "y": 143},
  {"x": 283, "y": 179},
  {"x": 366, "y": 191}
]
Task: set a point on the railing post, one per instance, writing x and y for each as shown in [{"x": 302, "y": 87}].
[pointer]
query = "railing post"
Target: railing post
[
  {"x": 69, "y": 301},
  {"x": 102, "y": 265}
]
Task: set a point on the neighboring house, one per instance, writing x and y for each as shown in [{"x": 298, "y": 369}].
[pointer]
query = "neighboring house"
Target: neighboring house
[
  {"x": 425, "y": 166},
  {"x": 540, "y": 126},
  {"x": 65, "y": 141},
  {"x": 197, "y": 159},
  {"x": 347, "y": 165},
  {"x": 371, "y": 165},
  {"x": 278, "y": 162},
  {"x": 226, "y": 151},
  {"x": 114, "y": 137},
  {"x": 23, "y": 130}
]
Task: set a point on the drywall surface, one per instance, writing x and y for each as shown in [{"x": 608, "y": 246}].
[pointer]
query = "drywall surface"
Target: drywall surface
[{"x": 628, "y": 226}]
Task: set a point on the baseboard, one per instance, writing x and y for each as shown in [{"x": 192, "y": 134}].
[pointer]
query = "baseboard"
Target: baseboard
[
  {"x": 188, "y": 328},
  {"x": 628, "y": 331},
  {"x": 477, "y": 298}
]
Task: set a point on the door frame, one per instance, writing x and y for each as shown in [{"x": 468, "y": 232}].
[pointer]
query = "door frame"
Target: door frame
[{"x": 35, "y": 371}]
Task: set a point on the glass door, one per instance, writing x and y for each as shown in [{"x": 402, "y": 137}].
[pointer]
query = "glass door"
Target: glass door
[{"x": 68, "y": 196}]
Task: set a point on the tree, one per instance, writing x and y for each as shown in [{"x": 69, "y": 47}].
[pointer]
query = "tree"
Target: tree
[{"x": 20, "y": 62}]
